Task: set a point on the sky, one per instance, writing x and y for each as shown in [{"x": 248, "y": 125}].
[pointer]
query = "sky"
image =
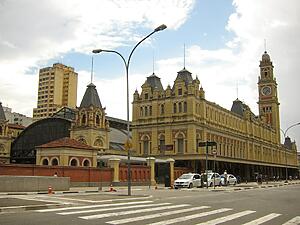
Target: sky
[{"x": 224, "y": 41}]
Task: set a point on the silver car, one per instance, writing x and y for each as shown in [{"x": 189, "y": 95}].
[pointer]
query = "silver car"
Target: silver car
[
  {"x": 231, "y": 179},
  {"x": 212, "y": 179},
  {"x": 188, "y": 180}
]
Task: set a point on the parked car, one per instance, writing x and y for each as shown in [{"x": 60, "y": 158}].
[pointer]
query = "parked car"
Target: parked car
[
  {"x": 212, "y": 178},
  {"x": 188, "y": 180},
  {"x": 231, "y": 179}
]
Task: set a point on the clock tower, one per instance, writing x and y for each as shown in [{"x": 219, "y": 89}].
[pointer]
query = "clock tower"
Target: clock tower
[{"x": 268, "y": 100}]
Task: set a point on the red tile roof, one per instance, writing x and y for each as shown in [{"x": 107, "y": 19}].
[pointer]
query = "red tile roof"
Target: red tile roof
[{"x": 65, "y": 142}]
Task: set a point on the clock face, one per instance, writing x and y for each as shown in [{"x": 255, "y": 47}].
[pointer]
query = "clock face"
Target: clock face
[{"x": 266, "y": 90}]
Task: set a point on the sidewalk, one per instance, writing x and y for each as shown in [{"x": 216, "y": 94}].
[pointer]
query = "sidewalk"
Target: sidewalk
[{"x": 123, "y": 189}]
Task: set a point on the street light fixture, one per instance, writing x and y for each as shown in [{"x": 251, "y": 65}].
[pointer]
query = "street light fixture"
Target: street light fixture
[
  {"x": 126, "y": 63},
  {"x": 284, "y": 134}
]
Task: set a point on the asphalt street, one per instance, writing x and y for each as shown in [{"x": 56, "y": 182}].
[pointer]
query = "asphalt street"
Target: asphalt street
[{"x": 269, "y": 205}]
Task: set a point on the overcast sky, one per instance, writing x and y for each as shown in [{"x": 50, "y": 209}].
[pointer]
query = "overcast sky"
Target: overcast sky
[{"x": 224, "y": 42}]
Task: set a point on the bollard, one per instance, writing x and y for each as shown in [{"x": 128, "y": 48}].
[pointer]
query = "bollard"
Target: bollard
[{"x": 49, "y": 190}]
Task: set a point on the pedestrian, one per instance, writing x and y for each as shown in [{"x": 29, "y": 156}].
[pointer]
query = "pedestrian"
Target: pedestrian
[
  {"x": 55, "y": 174},
  {"x": 238, "y": 178},
  {"x": 225, "y": 178}
]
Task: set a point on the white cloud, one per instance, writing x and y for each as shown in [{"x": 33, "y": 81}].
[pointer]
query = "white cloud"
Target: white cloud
[
  {"x": 32, "y": 33},
  {"x": 220, "y": 70}
]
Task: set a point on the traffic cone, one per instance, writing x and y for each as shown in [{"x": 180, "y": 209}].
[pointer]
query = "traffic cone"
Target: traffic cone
[
  {"x": 49, "y": 190},
  {"x": 111, "y": 188}
]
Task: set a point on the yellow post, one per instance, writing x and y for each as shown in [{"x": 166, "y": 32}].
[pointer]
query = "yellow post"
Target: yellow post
[
  {"x": 114, "y": 163},
  {"x": 151, "y": 163},
  {"x": 171, "y": 161}
]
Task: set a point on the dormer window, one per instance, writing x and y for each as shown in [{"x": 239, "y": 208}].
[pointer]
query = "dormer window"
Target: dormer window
[{"x": 179, "y": 91}]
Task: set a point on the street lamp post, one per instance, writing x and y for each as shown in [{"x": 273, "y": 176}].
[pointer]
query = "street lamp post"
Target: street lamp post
[
  {"x": 215, "y": 156},
  {"x": 206, "y": 144},
  {"x": 284, "y": 134},
  {"x": 126, "y": 63}
]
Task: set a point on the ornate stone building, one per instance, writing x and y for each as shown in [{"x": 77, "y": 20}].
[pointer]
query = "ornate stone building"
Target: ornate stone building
[
  {"x": 5, "y": 139},
  {"x": 172, "y": 122},
  {"x": 89, "y": 134}
]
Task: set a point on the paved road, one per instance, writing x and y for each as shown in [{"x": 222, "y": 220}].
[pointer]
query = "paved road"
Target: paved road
[{"x": 278, "y": 205}]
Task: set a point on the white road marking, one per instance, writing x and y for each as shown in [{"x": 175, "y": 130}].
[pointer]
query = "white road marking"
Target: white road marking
[
  {"x": 294, "y": 221},
  {"x": 107, "y": 209},
  {"x": 227, "y": 218},
  {"x": 263, "y": 219},
  {"x": 94, "y": 201},
  {"x": 44, "y": 200},
  {"x": 133, "y": 211},
  {"x": 91, "y": 206},
  {"x": 151, "y": 216},
  {"x": 190, "y": 217}
]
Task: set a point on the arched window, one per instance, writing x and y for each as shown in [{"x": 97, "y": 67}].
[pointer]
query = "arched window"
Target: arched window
[
  {"x": 180, "y": 107},
  {"x": 146, "y": 111},
  {"x": 145, "y": 145},
  {"x": 86, "y": 163},
  {"x": 162, "y": 145},
  {"x": 180, "y": 143},
  {"x": 1, "y": 130},
  {"x": 74, "y": 162},
  {"x": 141, "y": 111},
  {"x": 54, "y": 162},
  {"x": 174, "y": 108},
  {"x": 98, "y": 142},
  {"x": 150, "y": 110},
  {"x": 98, "y": 120},
  {"x": 45, "y": 162},
  {"x": 83, "y": 119},
  {"x": 162, "y": 109},
  {"x": 185, "y": 107}
]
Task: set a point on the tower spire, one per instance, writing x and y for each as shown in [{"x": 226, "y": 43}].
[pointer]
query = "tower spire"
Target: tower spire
[
  {"x": 153, "y": 62},
  {"x": 265, "y": 45},
  {"x": 184, "y": 56},
  {"x": 92, "y": 69},
  {"x": 237, "y": 90}
]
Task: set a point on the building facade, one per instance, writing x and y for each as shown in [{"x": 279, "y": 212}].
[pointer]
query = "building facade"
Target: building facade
[
  {"x": 5, "y": 139},
  {"x": 17, "y": 118},
  {"x": 57, "y": 88},
  {"x": 172, "y": 122}
]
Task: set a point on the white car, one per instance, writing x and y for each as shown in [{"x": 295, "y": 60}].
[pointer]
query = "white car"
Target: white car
[
  {"x": 231, "y": 179},
  {"x": 188, "y": 180},
  {"x": 212, "y": 178}
]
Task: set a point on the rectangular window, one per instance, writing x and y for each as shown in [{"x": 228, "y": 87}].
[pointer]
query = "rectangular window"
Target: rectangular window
[{"x": 179, "y": 91}]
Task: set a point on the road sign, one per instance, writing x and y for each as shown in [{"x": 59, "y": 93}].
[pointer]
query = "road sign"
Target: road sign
[{"x": 207, "y": 143}]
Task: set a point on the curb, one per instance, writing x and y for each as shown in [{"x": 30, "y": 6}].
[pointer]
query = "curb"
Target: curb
[{"x": 22, "y": 208}]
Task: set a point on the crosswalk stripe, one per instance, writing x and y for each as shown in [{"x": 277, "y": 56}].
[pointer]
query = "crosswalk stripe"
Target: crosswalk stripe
[
  {"x": 227, "y": 218},
  {"x": 151, "y": 216},
  {"x": 110, "y": 209},
  {"x": 190, "y": 217},
  {"x": 263, "y": 219},
  {"x": 97, "y": 216},
  {"x": 294, "y": 221},
  {"x": 92, "y": 206}
]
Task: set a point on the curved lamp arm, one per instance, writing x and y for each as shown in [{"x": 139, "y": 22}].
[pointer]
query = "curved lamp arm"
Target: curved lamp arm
[{"x": 296, "y": 124}]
